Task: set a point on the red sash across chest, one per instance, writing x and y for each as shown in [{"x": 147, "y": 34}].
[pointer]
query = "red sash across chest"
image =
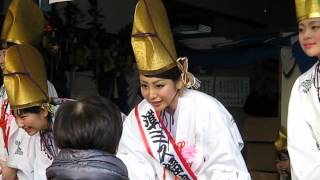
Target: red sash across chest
[{"x": 153, "y": 128}]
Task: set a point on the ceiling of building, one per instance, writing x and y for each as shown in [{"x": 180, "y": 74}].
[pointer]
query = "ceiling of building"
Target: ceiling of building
[
  {"x": 212, "y": 24},
  {"x": 234, "y": 16}
]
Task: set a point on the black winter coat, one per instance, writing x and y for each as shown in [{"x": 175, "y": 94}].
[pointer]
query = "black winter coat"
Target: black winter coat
[{"x": 86, "y": 165}]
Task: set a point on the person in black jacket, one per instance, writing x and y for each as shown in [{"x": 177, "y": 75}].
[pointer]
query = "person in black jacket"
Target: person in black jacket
[{"x": 88, "y": 132}]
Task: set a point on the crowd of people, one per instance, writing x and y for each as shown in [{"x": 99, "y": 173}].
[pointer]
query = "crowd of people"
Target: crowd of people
[{"x": 175, "y": 132}]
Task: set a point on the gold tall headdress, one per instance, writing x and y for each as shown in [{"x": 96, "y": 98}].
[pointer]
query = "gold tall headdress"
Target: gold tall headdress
[
  {"x": 24, "y": 23},
  {"x": 25, "y": 77},
  {"x": 306, "y": 9},
  {"x": 152, "y": 40}
]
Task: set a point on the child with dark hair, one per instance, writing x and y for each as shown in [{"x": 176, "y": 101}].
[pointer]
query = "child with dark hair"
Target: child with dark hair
[{"x": 88, "y": 132}]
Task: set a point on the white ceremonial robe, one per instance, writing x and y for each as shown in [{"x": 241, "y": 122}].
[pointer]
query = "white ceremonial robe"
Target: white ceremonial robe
[
  {"x": 45, "y": 152},
  {"x": 200, "y": 121},
  {"x": 21, "y": 153},
  {"x": 43, "y": 159},
  {"x": 304, "y": 128}
]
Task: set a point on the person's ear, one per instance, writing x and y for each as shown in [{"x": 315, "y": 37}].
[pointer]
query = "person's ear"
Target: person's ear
[
  {"x": 179, "y": 84},
  {"x": 44, "y": 112}
]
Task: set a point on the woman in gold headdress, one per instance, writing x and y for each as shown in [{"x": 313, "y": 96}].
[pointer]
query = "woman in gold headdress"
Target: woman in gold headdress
[
  {"x": 304, "y": 105},
  {"x": 175, "y": 132}
]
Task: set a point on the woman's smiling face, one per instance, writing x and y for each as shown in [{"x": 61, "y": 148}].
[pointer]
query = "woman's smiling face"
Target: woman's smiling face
[{"x": 309, "y": 36}]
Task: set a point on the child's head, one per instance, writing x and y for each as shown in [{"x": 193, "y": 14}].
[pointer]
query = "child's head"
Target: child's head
[
  {"x": 33, "y": 119},
  {"x": 89, "y": 123}
]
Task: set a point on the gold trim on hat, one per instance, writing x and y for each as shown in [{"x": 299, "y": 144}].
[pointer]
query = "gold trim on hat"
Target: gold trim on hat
[
  {"x": 28, "y": 105},
  {"x": 155, "y": 72}
]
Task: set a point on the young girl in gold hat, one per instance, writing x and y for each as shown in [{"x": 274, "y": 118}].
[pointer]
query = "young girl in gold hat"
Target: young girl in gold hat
[
  {"x": 19, "y": 27},
  {"x": 175, "y": 132},
  {"x": 27, "y": 91},
  {"x": 304, "y": 105}
]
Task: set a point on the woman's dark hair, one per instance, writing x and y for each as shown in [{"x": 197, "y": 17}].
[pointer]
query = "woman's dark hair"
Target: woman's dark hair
[
  {"x": 173, "y": 74},
  {"x": 89, "y": 123}
]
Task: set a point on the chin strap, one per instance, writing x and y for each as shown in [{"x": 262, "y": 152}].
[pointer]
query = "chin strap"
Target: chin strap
[{"x": 189, "y": 80}]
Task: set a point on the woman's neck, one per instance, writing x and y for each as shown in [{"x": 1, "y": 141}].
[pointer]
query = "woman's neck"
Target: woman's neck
[{"x": 173, "y": 105}]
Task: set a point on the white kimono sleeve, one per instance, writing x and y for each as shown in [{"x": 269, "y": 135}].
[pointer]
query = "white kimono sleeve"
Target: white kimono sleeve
[
  {"x": 132, "y": 152},
  {"x": 41, "y": 161},
  {"x": 302, "y": 146},
  {"x": 222, "y": 148}
]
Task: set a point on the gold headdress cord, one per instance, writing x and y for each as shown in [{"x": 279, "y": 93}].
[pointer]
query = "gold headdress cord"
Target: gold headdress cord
[{"x": 189, "y": 80}]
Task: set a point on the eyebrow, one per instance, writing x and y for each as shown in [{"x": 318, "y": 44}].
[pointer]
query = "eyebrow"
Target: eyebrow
[{"x": 155, "y": 82}]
